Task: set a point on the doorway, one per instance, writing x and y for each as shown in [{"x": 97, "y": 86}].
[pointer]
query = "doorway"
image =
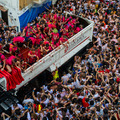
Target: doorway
[{"x": 5, "y": 16}]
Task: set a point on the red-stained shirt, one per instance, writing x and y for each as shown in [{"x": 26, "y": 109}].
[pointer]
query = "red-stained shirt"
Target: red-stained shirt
[
  {"x": 101, "y": 71},
  {"x": 119, "y": 48},
  {"x": 1, "y": 47},
  {"x": 61, "y": 19},
  {"x": 39, "y": 37},
  {"x": 62, "y": 40},
  {"x": 18, "y": 39},
  {"x": 55, "y": 36},
  {"x": 77, "y": 30},
  {"x": 12, "y": 48},
  {"x": 46, "y": 42},
  {"x": 38, "y": 52},
  {"x": 9, "y": 60},
  {"x": 44, "y": 16},
  {"x": 2, "y": 58},
  {"x": 28, "y": 31},
  {"x": 32, "y": 59},
  {"x": 46, "y": 29},
  {"x": 33, "y": 40},
  {"x": 55, "y": 45},
  {"x": 65, "y": 31},
  {"x": 38, "y": 26},
  {"x": 85, "y": 104},
  {"x": 55, "y": 16},
  {"x": 34, "y": 31}
]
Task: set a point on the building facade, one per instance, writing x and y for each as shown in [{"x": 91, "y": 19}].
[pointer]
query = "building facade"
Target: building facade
[{"x": 13, "y": 11}]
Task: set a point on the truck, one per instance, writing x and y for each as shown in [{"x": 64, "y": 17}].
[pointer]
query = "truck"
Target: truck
[{"x": 57, "y": 57}]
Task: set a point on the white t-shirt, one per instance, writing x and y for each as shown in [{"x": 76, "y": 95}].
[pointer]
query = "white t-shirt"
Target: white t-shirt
[
  {"x": 65, "y": 78},
  {"x": 85, "y": 6},
  {"x": 56, "y": 100},
  {"x": 97, "y": 2},
  {"x": 99, "y": 42},
  {"x": 104, "y": 47},
  {"x": 46, "y": 101},
  {"x": 73, "y": 7},
  {"x": 92, "y": 6},
  {"x": 28, "y": 100},
  {"x": 28, "y": 116},
  {"x": 103, "y": 28},
  {"x": 96, "y": 95},
  {"x": 83, "y": 79},
  {"x": 69, "y": 75},
  {"x": 77, "y": 84}
]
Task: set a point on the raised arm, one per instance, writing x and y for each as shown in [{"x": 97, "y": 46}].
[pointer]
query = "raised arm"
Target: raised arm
[
  {"x": 3, "y": 115},
  {"x": 33, "y": 94}
]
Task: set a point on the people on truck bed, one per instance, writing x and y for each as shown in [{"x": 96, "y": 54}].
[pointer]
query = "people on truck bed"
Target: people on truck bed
[
  {"x": 45, "y": 34},
  {"x": 2, "y": 62},
  {"x": 33, "y": 57}
]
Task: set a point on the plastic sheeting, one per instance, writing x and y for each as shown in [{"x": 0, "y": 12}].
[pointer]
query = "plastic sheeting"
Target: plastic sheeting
[{"x": 32, "y": 13}]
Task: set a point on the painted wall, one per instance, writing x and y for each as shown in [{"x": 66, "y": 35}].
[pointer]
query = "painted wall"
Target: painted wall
[
  {"x": 10, "y": 3},
  {"x": 13, "y": 7}
]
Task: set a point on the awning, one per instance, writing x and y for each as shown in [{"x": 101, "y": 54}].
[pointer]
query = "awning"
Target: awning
[{"x": 2, "y": 8}]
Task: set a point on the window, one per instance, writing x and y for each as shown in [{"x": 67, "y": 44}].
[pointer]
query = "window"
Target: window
[{"x": 24, "y": 3}]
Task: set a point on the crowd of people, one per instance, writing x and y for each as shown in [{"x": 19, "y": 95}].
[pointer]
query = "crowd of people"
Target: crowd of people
[{"x": 90, "y": 91}]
